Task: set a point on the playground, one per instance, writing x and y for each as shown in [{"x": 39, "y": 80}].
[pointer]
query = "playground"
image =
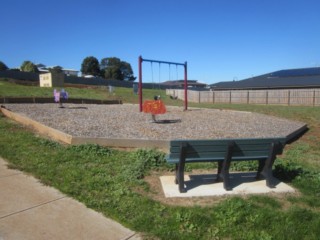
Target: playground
[
  {"x": 119, "y": 122},
  {"x": 77, "y": 171}
]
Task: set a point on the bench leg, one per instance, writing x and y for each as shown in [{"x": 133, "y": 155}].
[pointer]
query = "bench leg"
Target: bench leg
[
  {"x": 260, "y": 168},
  {"x": 177, "y": 177},
  {"x": 219, "y": 177},
  {"x": 181, "y": 177},
  {"x": 226, "y": 175},
  {"x": 182, "y": 161},
  {"x": 267, "y": 169},
  {"x": 226, "y": 166}
]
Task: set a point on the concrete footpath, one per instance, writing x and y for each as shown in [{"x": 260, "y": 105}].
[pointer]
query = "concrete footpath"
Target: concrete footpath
[{"x": 30, "y": 210}]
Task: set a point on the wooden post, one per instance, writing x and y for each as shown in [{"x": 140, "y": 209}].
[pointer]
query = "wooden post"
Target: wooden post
[
  {"x": 289, "y": 93},
  {"x": 230, "y": 98},
  {"x": 213, "y": 100},
  {"x": 267, "y": 97},
  {"x": 314, "y": 97},
  {"x": 248, "y": 95}
]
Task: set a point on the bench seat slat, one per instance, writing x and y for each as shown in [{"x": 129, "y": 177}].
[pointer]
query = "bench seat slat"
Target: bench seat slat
[
  {"x": 220, "y": 151},
  {"x": 242, "y": 146},
  {"x": 238, "y": 146},
  {"x": 220, "y": 154},
  {"x": 218, "y": 146},
  {"x": 222, "y": 142},
  {"x": 216, "y": 159}
]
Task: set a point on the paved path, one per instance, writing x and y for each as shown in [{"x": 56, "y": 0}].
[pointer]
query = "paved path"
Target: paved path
[{"x": 30, "y": 210}]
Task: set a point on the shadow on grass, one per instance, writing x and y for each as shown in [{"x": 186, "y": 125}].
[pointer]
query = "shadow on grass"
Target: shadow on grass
[
  {"x": 287, "y": 173},
  {"x": 236, "y": 179}
]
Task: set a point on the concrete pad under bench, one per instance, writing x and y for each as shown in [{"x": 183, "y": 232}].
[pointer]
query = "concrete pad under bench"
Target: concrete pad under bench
[{"x": 204, "y": 185}]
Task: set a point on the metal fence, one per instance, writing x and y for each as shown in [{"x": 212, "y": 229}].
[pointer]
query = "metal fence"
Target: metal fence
[{"x": 305, "y": 97}]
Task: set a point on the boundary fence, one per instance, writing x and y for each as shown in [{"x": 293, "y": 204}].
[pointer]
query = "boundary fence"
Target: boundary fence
[
  {"x": 97, "y": 81},
  {"x": 305, "y": 97}
]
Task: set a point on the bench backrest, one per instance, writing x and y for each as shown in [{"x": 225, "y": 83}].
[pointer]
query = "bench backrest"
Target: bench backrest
[{"x": 215, "y": 150}]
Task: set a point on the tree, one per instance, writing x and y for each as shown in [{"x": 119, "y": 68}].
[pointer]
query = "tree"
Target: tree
[
  {"x": 3, "y": 67},
  {"x": 113, "y": 73},
  {"x": 103, "y": 67},
  {"x": 126, "y": 71},
  {"x": 110, "y": 68},
  {"x": 114, "y": 68},
  {"x": 56, "y": 69},
  {"x": 90, "y": 66},
  {"x": 28, "y": 66}
]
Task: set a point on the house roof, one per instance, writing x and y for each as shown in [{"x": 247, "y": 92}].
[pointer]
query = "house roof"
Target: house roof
[
  {"x": 181, "y": 82},
  {"x": 70, "y": 70},
  {"x": 290, "y": 78}
]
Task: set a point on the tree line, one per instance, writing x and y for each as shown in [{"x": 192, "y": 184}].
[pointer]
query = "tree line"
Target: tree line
[
  {"x": 111, "y": 68},
  {"x": 108, "y": 68}
]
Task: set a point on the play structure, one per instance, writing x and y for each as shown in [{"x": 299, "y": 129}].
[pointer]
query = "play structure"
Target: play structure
[
  {"x": 154, "y": 107},
  {"x": 141, "y": 60},
  {"x": 60, "y": 96}
]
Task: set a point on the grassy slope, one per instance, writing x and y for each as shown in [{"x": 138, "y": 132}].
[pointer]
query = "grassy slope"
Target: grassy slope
[
  {"x": 106, "y": 180},
  {"x": 9, "y": 89}
]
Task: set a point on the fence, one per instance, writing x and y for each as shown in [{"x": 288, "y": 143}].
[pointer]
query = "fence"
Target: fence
[
  {"x": 29, "y": 76},
  {"x": 306, "y": 97},
  {"x": 97, "y": 81}
]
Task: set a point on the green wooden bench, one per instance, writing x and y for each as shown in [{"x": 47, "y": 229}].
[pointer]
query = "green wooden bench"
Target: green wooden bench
[{"x": 224, "y": 151}]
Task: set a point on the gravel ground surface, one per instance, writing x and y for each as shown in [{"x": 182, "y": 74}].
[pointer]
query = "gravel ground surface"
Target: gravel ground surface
[{"x": 125, "y": 121}]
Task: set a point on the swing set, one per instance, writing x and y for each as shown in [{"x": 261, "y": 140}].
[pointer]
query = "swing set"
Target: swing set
[{"x": 141, "y": 60}]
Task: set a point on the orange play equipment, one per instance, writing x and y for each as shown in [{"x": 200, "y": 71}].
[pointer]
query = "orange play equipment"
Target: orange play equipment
[{"x": 154, "y": 107}]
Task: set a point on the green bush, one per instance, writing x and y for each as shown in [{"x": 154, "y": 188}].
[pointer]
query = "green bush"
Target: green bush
[
  {"x": 143, "y": 161},
  {"x": 92, "y": 149}
]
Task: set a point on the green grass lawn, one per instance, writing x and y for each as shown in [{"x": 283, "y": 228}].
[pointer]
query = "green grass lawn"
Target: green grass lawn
[
  {"x": 8, "y": 88},
  {"x": 113, "y": 182}
]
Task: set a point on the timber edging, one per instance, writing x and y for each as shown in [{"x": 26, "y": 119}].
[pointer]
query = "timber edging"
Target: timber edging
[
  {"x": 111, "y": 142},
  {"x": 41, "y": 128},
  {"x": 60, "y": 136}
]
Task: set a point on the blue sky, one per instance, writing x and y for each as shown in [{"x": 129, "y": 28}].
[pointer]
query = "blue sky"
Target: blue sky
[{"x": 222, "y": 40}]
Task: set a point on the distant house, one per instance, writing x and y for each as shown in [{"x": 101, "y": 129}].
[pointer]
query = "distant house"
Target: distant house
[
  {"x": 69, "y": 72},
  {"x": 180, "y": 84},
  {"x": 88, "y": 76},
  {"x": 283, "y": 79},
  {"x": 42, "y": 68}
]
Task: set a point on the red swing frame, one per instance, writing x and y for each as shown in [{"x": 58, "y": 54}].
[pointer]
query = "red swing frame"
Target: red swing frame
[{"x": 164, "y": 62}]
